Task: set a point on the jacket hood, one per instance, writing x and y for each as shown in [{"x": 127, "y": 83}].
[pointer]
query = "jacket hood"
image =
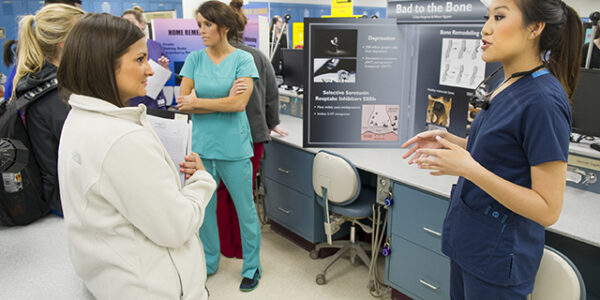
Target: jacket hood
[
  {"x": 136, "y": 114},
  {"x": 30, "y": 80}
]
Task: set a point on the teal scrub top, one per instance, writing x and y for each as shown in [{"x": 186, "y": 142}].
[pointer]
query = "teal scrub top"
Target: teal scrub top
[{"x": 220, "y": 135}]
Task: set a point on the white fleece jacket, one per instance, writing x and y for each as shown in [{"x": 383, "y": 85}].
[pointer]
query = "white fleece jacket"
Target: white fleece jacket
[{"x": 132, "y": 228}]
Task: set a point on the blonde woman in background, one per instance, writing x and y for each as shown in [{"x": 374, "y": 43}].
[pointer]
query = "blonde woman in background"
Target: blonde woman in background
[{"x": 40, "y": 43}]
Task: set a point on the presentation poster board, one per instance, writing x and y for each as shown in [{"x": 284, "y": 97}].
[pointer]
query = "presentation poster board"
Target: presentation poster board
[
  {"x": 253, "y": 11},
  {"x": 179, "y": 38},
  {"x": 449, "y": 67},
  {"x": 376, "y": 84},
  {"x": 354, "y": 83}
]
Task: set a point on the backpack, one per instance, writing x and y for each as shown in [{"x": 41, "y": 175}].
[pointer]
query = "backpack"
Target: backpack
[{"x": 21, "y": 192}]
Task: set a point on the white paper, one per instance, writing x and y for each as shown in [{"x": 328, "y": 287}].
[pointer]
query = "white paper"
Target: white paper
[
  {"x": 175, "y": 92},
  {"x": 157, "y": 81},
  {"x": 176, "y": 137},
  {"x": 168, "y": 92}
]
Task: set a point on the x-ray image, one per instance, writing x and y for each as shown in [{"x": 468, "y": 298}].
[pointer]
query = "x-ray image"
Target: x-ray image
[
  {"x": 334, "y": 70},
  {"x": 461, "y": 64},
  {"x": 335, "y": 43}
]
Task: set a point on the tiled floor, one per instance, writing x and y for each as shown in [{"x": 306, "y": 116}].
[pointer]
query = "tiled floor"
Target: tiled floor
[
  {"x": 289, "y": 273},
  {"x": 34, "y": 264}
]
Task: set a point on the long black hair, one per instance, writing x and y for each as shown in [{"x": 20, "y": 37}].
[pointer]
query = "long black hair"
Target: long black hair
[{"x": 562, "y": 38}]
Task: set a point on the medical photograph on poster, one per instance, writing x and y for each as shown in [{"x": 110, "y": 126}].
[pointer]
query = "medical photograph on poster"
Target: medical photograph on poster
[
  {"x": 335, "y": 70},
  {"x": 335, "y": 43}
]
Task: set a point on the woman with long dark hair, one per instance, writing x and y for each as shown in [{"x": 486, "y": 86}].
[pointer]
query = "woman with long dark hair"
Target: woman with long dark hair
[
  {"x": 263, "y": 115},
  {"x": 513, "y": 165},
  {"x": 221, "y": 133}
]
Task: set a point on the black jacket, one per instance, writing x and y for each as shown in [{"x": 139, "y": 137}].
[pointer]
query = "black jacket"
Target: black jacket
[
  {"x": 263, "y": 107},
  {"x": 44, "y": 119}
]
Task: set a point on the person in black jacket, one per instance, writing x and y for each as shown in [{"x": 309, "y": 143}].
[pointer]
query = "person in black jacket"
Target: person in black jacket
[{"x": 40, "y": 45}]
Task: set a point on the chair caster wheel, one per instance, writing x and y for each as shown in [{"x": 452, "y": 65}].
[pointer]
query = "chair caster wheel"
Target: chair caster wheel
[
  {"x": 314, "y": 254},
  {"x": 321, "y": 279}
]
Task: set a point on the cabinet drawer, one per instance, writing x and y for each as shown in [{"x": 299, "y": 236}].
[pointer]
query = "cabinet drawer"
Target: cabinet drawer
[
  {"x": 290, "y": 209},
  {"x": 418, "y": 271},
  {"x": 289, "y": 166},
  {"x": 418, "y": 217}
]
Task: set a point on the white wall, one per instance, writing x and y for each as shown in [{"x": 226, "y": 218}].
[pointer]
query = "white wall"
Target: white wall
[
  {"x": 190, "y": 6},
  {"x": 584, "y": 7}
]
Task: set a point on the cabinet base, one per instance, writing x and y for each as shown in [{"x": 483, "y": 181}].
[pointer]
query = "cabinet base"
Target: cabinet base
[
  {"x": 304, "y": 244},
  {"x": 399, "y": 296}
]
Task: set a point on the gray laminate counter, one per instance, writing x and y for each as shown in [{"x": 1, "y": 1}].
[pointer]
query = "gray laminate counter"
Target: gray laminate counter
[{"x": 580, "y": 217}]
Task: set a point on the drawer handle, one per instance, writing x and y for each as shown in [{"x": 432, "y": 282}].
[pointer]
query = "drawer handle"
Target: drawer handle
[
  {"x": 284, "y": 171},
  {"x": 429, "y": 285},
  {"x": 429, "y": 230},
  {"x": 287, "y": 212}
]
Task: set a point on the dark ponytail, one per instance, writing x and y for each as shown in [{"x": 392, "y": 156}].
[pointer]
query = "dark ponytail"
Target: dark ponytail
[
  {"x": 237, "y": 5},
  {"x": 566, "y": 55},
  {"x": 562, "y": 38},
  {"x": 8, "y": 53}
]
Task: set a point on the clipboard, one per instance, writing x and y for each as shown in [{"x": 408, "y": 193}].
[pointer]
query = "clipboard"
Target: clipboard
[{"x": 174, "y": 130}]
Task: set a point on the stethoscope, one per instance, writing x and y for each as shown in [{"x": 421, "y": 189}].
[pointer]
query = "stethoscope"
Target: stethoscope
[{"x": 481, "y": 98}]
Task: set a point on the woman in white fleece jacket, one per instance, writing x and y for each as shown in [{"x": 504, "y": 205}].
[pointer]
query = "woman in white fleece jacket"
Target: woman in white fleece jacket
[{"x": 132, "y": 228}]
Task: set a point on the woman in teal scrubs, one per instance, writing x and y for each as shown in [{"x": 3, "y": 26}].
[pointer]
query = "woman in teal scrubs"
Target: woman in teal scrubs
[
  {"x": 513, "y": 165},
  {"x": 221, "y": 132}
]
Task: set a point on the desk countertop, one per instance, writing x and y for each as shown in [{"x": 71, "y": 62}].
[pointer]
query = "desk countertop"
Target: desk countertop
[{"x": 580, "y": 217}]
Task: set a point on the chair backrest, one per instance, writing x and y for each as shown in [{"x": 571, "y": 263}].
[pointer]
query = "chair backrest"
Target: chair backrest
[
  {"x": 557, "y": 278},
  {"x": 337, "y": 175}
]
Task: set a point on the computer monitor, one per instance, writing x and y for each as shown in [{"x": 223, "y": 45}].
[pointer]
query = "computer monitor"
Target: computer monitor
[
  {"x": 586, "y": 103},
  {"x": 294, "y": 69}
]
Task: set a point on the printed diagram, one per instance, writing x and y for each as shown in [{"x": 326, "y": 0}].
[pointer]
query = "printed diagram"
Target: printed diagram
[
  {"x": 380, "y": 123},
  {"x": 438, "y": 110},
  {"x": 461, "y": 64},
  {"x": 335, "y": 70}
]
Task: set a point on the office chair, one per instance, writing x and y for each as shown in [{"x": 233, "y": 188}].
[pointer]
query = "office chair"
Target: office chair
[
  {"x": 336, "y": 180},
  {"x": 557, "y": 278}
]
